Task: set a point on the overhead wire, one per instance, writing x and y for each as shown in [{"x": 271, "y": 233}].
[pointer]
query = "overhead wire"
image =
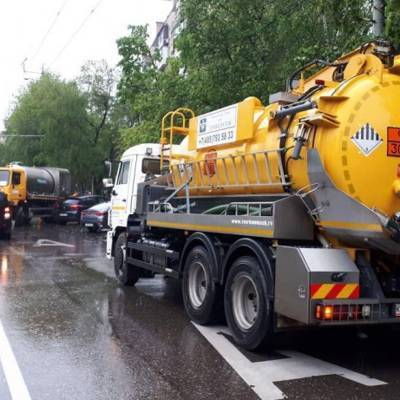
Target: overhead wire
[
  {"x": 75, "y": 33},
  {"x": 51, "y": 27}
]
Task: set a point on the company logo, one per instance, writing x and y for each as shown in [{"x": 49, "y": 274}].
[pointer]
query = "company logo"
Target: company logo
[
  {"x": 367, "y": 139},
  {"x": 203, "y": 125}
]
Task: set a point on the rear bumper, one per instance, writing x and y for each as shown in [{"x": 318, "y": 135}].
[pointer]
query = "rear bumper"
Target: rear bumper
[
  {"x": 350, "y": 312},
  {"x": 92, "y": 225},
  {"x": 68, "y": 217},
  {"x": 92, "y": 221}
]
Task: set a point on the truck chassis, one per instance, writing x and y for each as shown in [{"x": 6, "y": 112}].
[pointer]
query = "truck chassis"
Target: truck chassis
[{"x": 257, "y": 260}]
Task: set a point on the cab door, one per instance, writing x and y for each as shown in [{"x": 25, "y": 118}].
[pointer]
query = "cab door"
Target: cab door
[
  {"x": 120, "y": 195},
  {"x": 18, "y": 191}
]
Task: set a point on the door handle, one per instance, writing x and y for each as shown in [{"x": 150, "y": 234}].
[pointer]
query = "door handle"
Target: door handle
[{"x": 124, "y": 200}]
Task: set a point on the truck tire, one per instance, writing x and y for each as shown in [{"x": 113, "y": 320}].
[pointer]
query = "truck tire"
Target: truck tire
[
  {"x": 248, "y": 311},
  {"x": 5, "y": 236},
  {"x": 22, "y": 216},
  {"x": 202, "y": 297},
  {"x": 126, "y": 275},
  {"x": 19, "y": 216}
]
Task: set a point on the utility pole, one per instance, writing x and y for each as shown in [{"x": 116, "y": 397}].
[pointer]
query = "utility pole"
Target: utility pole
[{"x": 378, "y": 17}]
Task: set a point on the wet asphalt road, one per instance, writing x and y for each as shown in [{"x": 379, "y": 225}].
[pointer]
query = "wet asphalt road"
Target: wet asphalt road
[{"x": 76, "y": 335}]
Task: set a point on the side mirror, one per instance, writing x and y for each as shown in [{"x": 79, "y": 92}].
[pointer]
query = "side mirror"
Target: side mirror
[
  {"x": 108, "y": 182},
  {"x": 108, "y": 166}
]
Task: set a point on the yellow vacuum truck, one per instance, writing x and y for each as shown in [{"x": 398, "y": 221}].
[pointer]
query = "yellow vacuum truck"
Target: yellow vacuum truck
[
  {"x": 281, "y": 216},
  {"x": 34, "y": 190}
]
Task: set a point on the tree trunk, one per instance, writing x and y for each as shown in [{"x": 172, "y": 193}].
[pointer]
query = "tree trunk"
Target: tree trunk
[{"x": 378, "y": 16}]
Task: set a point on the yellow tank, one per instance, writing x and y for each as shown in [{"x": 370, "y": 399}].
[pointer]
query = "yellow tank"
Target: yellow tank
[{"x": 352, "y": 119}]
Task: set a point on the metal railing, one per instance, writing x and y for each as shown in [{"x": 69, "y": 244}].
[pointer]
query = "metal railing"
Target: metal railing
[
  {"x": 244, "y": 170},
  {"x": 247, "y": 209}
]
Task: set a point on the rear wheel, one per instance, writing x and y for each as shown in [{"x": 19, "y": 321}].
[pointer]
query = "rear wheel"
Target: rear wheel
[
  {"x": 126, "y": 275},
  {"x": 20, "y": 216},
  {"x": 5, "y": 235},
  {"x": 201, "y": 294},
  {"x": 248, "y": 310}
]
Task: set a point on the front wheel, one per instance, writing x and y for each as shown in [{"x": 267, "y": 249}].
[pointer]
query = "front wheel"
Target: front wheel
[
  {"x": 126, "y": 275},
  {"x": 248, "y": 310}
]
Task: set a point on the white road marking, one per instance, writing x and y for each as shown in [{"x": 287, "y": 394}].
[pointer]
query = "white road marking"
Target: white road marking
[
  {"x": 15, "y": 381},
  {"x": 51, "y": 243},
  {"x": 260, "y": 376}
]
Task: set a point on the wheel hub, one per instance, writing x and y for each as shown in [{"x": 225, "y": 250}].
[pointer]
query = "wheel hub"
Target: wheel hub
[
  {"x": 245, "y": 301},
  {"x": 197, "y": 284}
]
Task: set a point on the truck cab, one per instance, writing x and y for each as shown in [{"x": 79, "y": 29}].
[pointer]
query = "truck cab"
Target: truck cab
[
  {"x": 138, "y": 164},
  {"x": 12, "y": 180}
]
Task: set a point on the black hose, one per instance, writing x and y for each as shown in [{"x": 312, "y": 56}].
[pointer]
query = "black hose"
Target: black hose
[
  {"x": 289, "y": 83},
  {"x": 308, "y": 93},
  {"x": 292, "y": 77}
]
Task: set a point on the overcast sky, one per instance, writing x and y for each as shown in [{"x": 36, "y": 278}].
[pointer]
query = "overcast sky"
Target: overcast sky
[{"x": 24, "y": 23}]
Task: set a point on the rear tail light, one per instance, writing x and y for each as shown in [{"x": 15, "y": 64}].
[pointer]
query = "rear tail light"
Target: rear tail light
[
  {"x": 396, "y": 310},
  {"x": 342, "y": 312},
  {"x": 7, "y": 212},
  {"x": 324, "y": 312},
  {"x": 75, "y": 206},
  {"x": 99, "y": 213}
]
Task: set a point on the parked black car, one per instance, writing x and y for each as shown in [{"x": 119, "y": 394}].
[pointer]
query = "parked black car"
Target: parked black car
[
  {"x": 72, "y": 208},
  {"x": 96, "y": 218}
]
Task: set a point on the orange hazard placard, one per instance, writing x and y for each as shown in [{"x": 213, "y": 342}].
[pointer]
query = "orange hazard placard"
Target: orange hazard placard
[
  {"x": 210, "y": 163},
  {"x": 393, "y": 142}
]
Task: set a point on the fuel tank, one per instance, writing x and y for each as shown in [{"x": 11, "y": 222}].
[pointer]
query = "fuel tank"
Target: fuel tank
[
  {"x": 47, "y": 181},
  {"x": 348, "y": 112}
]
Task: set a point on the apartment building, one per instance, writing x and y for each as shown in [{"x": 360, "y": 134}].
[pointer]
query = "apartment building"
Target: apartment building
[{"x": 167, "y": 32}]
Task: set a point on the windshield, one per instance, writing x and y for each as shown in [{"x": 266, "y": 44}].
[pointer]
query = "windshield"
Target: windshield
[{"x": 4, "y": 176}]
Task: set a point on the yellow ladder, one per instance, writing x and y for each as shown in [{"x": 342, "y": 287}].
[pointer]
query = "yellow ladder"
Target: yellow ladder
[{"x": 173, "y": 123}]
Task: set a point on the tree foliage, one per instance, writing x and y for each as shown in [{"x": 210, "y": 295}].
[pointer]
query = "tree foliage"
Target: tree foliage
[
  {"x": 229, "y": 50},
  {"x": 392, "y": 21},
  {"x": 144, "y": 89},
  {"x": 234, "y": 49},
  {"x": 57, "y": 112}
]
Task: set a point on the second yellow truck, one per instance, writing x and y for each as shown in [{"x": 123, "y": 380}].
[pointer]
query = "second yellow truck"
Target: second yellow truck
[{"x": 34, "y": 190}]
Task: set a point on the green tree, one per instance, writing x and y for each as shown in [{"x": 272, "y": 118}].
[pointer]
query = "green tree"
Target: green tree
[
  {"x": 56, "y": 111},
  {"x": 97, "y": 81},
  {"x": 147, "y": 92},
  {"x": 392, "y": 21},
  {"x": 233, "y": 49}
]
